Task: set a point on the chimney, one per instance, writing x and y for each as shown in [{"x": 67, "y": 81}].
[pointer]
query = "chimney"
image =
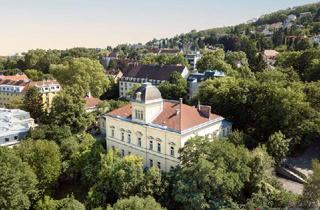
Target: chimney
[{"x": 205, "y": 111}]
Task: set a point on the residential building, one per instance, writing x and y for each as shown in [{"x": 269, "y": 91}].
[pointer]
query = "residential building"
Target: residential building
[
  {"x": 193, "y": 58},
  {"x": 48, "y": 89},
  {"x": 136, "y": 74},
  {"x": 17, "y": 77},
  {"x": 12, "y": 90},
  {"x": 269, "y": 57},
  {"x": 116, "y": 74},
  {"x": 195, "y": 79},
  {"x": 14, "y": 126},
  {"x": 91, "y": 103},
  {"x": 158, "y": 51},
  {"x": 156, "y": 129},
  {"x": 316, "y": 39},
  {"x": 288, "y": 23},
  {"x": 105, "y": 61},
  {"x": 305, "y": 14}
]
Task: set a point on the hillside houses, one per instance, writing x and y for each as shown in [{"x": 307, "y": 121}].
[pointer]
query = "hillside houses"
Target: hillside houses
[{"x": 137, "y": 74}]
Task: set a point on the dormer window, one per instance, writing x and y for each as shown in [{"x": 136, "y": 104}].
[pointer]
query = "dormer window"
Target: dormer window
[{"x": 138, "y": 96}]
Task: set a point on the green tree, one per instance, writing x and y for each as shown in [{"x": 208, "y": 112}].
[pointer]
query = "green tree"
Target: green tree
[
  {"x": 17, "y": 182},
  {"x": 32, "y": 103},
  {"x": 311, "y": 193},
  {"x": 213, "y": 61},
  {"x": 175, "y": 88},
  {"x": 136, "y": 203},
  {"x": 235, "y": 58},
  {"x": 119, "y": 178},
  {"x": 69, "y": 203},
  {"x": 34, "y": 74},
  {"x": 68, "y": 110},
  {"x": 278, "y": 147},
  {"x": 212, "y": 174},
  {"x": 44, "y": 158},
  {"x": 82, "y": 75}
]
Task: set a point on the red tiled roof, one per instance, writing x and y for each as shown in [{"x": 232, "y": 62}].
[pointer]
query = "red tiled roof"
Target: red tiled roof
[
  {"x": 13, "y": 82},
  {"x": 91, "y": 102},
  {"x": 187, "y": 116},
  {"x": 16, "y": 77}
]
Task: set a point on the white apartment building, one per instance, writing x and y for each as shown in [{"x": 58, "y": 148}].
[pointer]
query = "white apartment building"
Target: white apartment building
[
  {"x": 14, "y": 125},
  {"x": 193, "y": 59},
  {"x": 156, "y": 129}
]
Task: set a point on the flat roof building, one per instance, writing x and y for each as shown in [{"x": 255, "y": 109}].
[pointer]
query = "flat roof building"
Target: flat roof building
[{"x": 14, "y": 126}]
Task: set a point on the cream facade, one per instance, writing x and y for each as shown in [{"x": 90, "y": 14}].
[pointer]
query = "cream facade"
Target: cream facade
[{"x": 158, "y": 143}]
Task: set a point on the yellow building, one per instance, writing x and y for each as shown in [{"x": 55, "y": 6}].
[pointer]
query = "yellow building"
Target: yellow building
[
  {"x": 49, "y": 89},
  {"x": 156, "y": 129},
  {"x": 12, "y": 89}
]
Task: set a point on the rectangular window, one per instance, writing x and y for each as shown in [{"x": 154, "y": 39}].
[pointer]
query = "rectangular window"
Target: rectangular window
[
  {"x": 112, "y": 133},
  {"x": 150, "y": 145},
  {"x": 15, "y": 137},
  {"x": 172, "y": 151},
  {"x": 159, "y": 147},
  {"x": 151, "y": 163},
  {"x": 129, "y": 138},
  {"x": 122, "y": 136},
  {"x": 129, "y": 153},
  {"x": 139, "y": 142},
  {"x": 122, "y": 153},
  {"x": 159, "y": 165},
  {"x": 6, "y": 139}
]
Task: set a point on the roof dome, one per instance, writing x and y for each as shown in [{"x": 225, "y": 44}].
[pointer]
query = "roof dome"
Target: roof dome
[{"x": 147, "y": 92}]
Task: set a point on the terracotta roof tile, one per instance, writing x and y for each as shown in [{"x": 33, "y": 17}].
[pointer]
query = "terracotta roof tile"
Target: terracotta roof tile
[
  {"x": 16, "y": 77},
  {"x": 91, "y": 102},
  {"x": 174, "y": 116}
]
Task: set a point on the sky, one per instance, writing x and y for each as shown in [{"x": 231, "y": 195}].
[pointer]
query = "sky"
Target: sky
[{"x": 61, "y": 24}]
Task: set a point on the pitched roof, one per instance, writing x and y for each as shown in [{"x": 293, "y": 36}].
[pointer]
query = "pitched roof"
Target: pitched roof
[
  {"x": 187, "y": 117},
  {"x": 14, "y": 82},
  {"x": 16, "y": 77},
  {"x": 91, "y": 102},
  {"x": 155, "y": 72}
]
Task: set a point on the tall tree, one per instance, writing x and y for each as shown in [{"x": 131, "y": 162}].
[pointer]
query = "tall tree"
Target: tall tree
[
  {"x": 82, "y": 75},
  {"x": 136, "y": 203},
  {"x": 68, "y": 110},
  {"x": 17, "y": 182},
  {"x": 44, "y": 158},
  {"x": 33, "y": 103}
]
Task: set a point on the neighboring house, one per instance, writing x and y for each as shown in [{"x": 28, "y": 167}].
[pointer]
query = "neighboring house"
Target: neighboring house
[
  {"x": 136, "y": 74},
  {"x": 192, "y": 59},
  {"x": 91, "y": 103},
  {"x": 195, "y": 79},
  {"x": 48, "y": 89},
  {"x": 305, "y": 14},
  {"x": 115, "y": 74},
  {"x": 270, "y": 56},
  {"x": 157, "y": 129},
  {"x": 158, "y": 51},
  {"x": 12, "y": 90},
  {"x": 17, "y": 77},
  {"x": 270, "y": 29},
  {"x": 288, "y": 23},
  {"x": 267, "y": 31},
  {"x": 316, "y": 39},
  {"x": 14, "y": 126},
  {"x": 105, "y": 61}
]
